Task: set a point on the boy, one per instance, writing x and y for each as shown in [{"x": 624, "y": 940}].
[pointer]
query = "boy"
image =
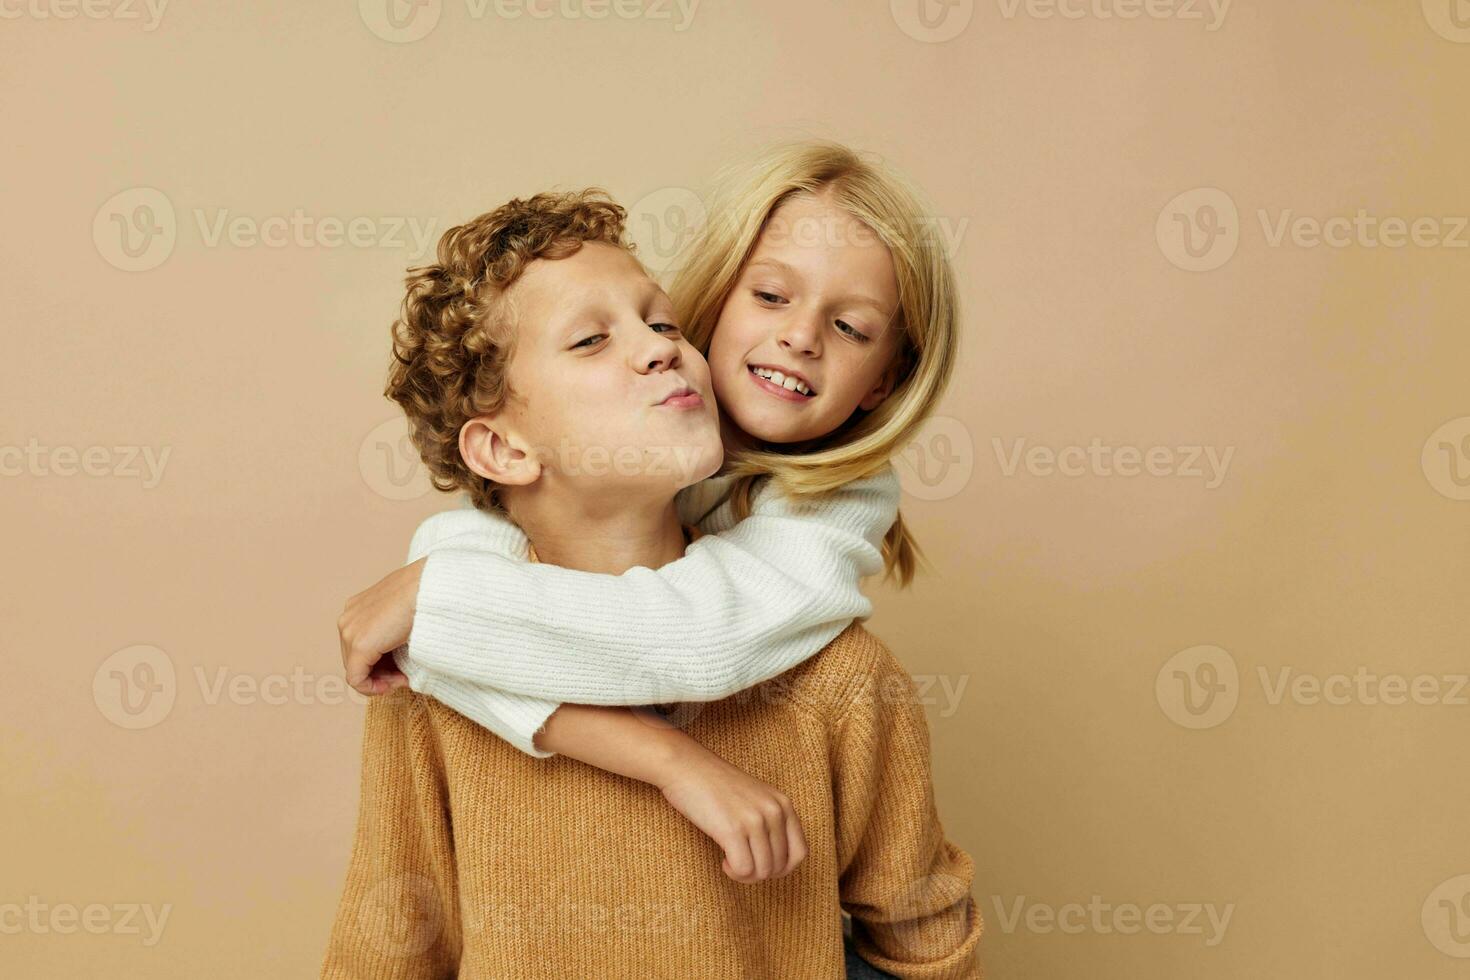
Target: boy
[{"x": 473, "y": 858}]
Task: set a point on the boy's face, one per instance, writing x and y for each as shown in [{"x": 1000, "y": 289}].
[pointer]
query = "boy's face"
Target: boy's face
[
  {"x": 817, "y": 300},
  {"x": 596, "y": 359}
]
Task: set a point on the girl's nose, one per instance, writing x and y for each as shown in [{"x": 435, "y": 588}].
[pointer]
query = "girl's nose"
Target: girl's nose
[{"x": 801, "y": 335}]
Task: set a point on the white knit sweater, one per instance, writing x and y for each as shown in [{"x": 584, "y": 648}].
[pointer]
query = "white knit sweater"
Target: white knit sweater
[{"x": 504, "y": 641}]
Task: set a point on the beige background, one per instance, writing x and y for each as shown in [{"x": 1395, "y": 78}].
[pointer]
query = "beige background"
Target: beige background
[{"x": 1052, "y": 147}]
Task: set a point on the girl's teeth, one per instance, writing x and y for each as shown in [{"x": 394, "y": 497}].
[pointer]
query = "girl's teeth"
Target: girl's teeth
[{"x": 777, "y": 378}]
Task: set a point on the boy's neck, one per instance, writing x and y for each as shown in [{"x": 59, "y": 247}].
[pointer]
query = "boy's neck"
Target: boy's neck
[{"x": 600, "y": 536}]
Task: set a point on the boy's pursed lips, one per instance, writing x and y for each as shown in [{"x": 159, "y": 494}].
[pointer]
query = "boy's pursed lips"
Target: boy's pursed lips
[{"x": 682, "y": 396}]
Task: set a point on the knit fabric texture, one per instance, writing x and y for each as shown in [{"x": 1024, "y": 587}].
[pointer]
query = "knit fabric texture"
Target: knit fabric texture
[{"x": 474, "y": 859}]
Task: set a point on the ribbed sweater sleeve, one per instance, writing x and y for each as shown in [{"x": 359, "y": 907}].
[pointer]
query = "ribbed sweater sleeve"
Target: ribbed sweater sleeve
[
  {"x": 399, "y": 918},
  {"x": 906, "y": 886},
  {"x": 749, "y": 600}
]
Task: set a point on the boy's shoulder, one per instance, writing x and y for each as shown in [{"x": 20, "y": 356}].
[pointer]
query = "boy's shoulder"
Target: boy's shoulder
[{"x": 855, "y": 665}]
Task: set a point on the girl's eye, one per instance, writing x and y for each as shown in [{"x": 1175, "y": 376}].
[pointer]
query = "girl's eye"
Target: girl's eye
[
  {"x": 666, "y": 327},
  {"x": 588, "y": 341},
  {"x": 851, "y": 331},
  {"x": 766, "y": 297}
]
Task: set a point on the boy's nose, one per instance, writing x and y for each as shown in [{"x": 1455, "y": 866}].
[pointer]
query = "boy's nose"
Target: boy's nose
[{"x": 660, "y": 354}]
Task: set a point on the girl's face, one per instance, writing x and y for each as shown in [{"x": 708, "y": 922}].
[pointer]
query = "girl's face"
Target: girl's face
[{"x": 816, "y": 301}]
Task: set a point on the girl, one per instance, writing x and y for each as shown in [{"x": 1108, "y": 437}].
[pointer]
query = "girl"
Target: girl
[{"x": 827, "y": 313}]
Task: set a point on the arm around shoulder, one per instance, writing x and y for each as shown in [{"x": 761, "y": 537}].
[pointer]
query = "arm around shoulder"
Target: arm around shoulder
[{"x": 749, "y": 600}]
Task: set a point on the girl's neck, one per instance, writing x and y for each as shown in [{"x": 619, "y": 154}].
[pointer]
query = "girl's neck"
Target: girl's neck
[{"x": 733, "y": 437}]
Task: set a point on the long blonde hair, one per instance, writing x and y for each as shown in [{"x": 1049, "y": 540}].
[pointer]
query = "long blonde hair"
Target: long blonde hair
[{"x": 743, "y": 199}]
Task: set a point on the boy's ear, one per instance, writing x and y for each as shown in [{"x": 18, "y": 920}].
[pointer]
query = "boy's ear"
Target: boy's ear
[
  {"x": 882, "y": 389},
  {"x": 491, "y": 449}
]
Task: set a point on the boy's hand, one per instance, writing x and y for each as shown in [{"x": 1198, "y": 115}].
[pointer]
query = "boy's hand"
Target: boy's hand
[
  {"x": 752, "y": 821},
  {"x": 374, "y": 623}
]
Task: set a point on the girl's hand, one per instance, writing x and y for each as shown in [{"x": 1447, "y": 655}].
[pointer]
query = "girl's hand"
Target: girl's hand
[
  {"x": 375, "y": 622},
  {"x": 752, "y": 821}
]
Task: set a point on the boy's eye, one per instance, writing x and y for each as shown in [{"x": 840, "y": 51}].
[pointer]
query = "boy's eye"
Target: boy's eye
[
  {"x": 588, "y": 341},
  {"x": 851, "y": 331},
  {"x": 666, "y": 327},
  {"x": 766, "y": 297}
]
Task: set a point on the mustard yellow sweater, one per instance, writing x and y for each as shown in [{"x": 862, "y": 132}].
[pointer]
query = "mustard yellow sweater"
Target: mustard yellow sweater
[{"x": 475, "y": 860}]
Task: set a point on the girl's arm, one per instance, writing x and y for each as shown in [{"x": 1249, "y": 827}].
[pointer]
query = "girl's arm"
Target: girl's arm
[
  {"x": 748, "y": 601},
  {"x": 753, "y": 822}
]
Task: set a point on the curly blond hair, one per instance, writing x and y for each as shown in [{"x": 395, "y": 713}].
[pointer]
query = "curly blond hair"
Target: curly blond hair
[{"x": 454, "y": 335}]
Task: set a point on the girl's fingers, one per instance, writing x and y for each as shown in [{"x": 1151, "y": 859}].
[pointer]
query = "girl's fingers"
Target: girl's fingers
[
  {"x": 760, "y": 849},
  {"x": 795, "y": 842},
  {"x": 776, "y": 834},
  {"x": 739, "y": 863}
]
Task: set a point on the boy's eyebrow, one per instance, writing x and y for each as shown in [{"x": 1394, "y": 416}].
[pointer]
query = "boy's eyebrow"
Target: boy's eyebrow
[
  {"x": 572, "y": 319},
  {"x": 862, "y": 298}
]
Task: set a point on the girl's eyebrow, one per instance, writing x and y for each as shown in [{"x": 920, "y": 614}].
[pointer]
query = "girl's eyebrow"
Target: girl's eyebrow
[
  {"x": 860, "y": 298},
  {"x": 776, "y": 264}
]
